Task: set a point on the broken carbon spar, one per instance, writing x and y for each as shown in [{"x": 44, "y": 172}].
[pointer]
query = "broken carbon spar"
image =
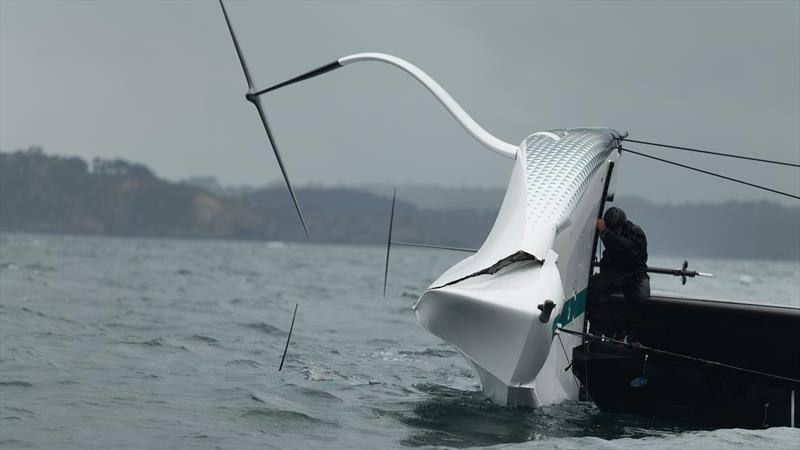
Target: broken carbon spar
[
  {"x": 288, "y": 337},
  {"x": 256, "y": 101}
]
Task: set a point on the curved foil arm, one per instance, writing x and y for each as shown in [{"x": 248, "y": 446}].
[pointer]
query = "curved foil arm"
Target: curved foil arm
[{"x": 472, "y": 127}]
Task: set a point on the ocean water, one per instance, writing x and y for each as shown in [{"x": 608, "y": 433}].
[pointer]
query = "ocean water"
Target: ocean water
[{"x": 151, "y": 343}]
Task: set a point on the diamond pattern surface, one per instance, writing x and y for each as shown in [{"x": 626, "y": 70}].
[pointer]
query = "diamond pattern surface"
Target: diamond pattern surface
[{"x": 558, "y": 171}]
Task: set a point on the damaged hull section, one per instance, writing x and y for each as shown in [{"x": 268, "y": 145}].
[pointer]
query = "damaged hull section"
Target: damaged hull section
[{"x": 501, "y": 306}]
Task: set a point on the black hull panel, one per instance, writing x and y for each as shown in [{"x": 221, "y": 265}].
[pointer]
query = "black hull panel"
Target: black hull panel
[{"x": 761, "y": 338}]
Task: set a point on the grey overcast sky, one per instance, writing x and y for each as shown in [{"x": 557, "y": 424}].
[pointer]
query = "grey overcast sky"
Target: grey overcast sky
[{"x": 159, "y": 83}]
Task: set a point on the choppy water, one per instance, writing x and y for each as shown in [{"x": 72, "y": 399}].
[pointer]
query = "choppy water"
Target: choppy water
[{"x": 144, "y": 343}]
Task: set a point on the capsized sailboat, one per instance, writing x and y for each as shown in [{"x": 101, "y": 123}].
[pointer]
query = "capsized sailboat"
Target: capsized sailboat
[{"x": 517, "y": 308}]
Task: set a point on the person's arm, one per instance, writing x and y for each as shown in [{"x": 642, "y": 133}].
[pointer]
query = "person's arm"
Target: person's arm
[{"x": 633, "y": 244}]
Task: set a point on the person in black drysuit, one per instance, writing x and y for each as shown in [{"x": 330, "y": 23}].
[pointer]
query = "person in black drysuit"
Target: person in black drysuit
[{"x": 622, "y": 268}]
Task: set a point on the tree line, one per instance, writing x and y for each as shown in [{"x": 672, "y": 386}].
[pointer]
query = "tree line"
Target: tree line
[{"x": 55, "y": 194}]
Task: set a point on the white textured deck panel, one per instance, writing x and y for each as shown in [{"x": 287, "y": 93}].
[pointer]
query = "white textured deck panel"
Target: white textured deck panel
[{"x": 557, "y": 170}]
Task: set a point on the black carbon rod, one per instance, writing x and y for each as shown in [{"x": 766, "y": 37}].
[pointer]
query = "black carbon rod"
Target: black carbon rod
[
  {"x": 673, "y": 272},
  {"x": 238, "y": 48},
  {"x": 707, "y": 152},
  {"x": 439, "y": 247},
  {"x": 310, "y": 74},
  {"x": 595, "y": 242},
  {"x": 288, "y": 338},
  {"x": 389, "y": 243},
  {"x": 735, "y": 180},
  {"x": 257, "y": 102}
]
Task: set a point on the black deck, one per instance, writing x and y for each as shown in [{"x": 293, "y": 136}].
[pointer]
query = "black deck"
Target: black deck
[{"x": 758, "y": 337}]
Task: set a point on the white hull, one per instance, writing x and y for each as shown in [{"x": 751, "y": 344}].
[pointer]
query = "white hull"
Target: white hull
[
  {"x": 487, "y": 306},
  {"x": 554, "y": 383}
]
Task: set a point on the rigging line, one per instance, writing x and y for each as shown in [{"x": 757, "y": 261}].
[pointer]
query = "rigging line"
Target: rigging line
[
  {"x": 438, "y": 247},
  {"x": 575, "y": 377},
  {"x": 735, "y": 180},
  {"x": 729, "y": 155},
  {"x": 677, "y": 355}
]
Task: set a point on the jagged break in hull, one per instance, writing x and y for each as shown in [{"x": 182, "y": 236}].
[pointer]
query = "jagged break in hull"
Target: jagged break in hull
[{"x": 539, "y": 249}]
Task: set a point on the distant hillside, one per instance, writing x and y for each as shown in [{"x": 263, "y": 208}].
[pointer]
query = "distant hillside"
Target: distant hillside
[
  {"x": 443, "y": 198},
  {"x": 52, "y": 194},
  {"x": 732, "y": 229}
]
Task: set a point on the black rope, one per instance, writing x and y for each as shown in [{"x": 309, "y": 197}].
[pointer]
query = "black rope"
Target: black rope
[
  {"x": 728, "y": 155},
  {"x": 677, "y": 355},
  {"x": 578, "y": 383},
  {"x": 714, "y": 174},
  {"x": 586, "y": 368}
]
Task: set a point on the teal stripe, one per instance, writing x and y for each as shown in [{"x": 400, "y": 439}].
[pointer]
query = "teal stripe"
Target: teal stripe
[{"x": 573, "y": 308}]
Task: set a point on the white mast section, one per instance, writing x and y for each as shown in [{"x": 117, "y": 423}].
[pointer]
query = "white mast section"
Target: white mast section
[{"x": 484, "y": 137}]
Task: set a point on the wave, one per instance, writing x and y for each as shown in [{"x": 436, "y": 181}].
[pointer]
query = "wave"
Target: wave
[
  {"x": 440, "y": 353},
  {"x": 203, "y": 338},
  {"x": 314, "y": 394},
  {"x": 243, "y": 363},
  {"x": 16, "y": 384},
  {"x": 20, "y": 411},
  {"x": 38, "y": 267},
  {"x": 160, "y": 342},
  {"x": 265, "y": 327},
  {"x": 285, "y": 418},
  {"x": 28, "y": 310},
  {"x": 410, "y": 294}
]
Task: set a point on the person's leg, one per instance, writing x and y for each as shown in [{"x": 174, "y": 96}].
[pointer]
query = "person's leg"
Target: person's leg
[
  {"x": 637, "y": 288},
  {"x": 605, "y": 320},
  {"x": 636, "y": 291},
  {"x": 601, "y": 285}
]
